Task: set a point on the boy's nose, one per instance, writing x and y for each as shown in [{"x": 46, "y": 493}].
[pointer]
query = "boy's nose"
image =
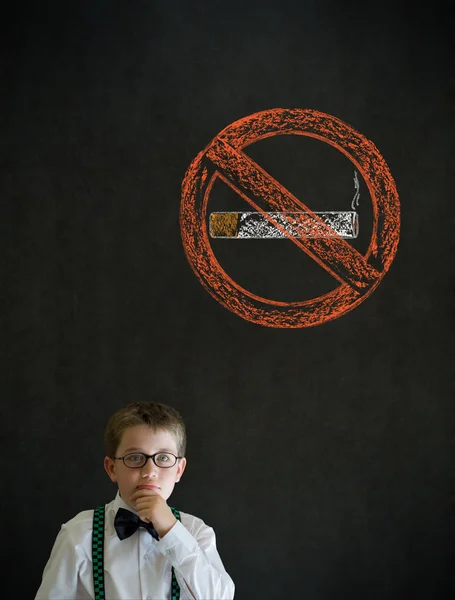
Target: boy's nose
[{"x": 149, "y": 469}]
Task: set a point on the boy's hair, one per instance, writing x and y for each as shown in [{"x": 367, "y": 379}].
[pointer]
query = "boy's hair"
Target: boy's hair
[{"x": 153, "y": 414}]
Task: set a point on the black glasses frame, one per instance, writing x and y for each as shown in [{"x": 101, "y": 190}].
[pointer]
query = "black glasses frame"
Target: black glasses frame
[{"x": 147, "y": 456}]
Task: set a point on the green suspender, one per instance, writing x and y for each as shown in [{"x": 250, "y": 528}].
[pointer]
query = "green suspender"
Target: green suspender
[
  {"x": 98, "y": 552},
  {"x": 98, "y": 555},
  {"x": 175, "y": 589}
]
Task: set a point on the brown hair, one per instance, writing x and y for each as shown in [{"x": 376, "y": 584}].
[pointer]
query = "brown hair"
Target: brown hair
[{"x": 153, "y": 414}]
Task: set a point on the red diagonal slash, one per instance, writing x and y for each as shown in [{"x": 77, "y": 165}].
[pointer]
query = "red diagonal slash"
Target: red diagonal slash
[{"x": 247, "y": 178}]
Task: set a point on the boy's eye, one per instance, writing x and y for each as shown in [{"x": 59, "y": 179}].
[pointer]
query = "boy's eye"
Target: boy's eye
[
  {"x": 163, "y": 458},
  {"x": 135, "y": 457}
]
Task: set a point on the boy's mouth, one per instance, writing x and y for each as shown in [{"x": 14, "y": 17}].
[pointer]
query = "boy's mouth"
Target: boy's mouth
[{"x": 148, "y": 486}]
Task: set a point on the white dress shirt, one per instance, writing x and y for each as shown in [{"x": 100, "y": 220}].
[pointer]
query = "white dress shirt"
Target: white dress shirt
[{"x": 139, "y": 567}]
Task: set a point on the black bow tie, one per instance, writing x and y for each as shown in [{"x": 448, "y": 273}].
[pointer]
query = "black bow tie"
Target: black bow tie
[{"x": 126, "y": 523}]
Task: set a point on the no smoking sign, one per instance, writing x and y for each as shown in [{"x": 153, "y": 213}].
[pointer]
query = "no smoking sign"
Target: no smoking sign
[{"x": 357, "y": 275}]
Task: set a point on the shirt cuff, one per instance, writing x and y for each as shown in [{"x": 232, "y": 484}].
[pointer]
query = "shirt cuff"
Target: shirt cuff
[{"x": 177, "y": 543}]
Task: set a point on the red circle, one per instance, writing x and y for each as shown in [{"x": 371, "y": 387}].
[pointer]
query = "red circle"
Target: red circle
[{"x": 196, "y": 188}]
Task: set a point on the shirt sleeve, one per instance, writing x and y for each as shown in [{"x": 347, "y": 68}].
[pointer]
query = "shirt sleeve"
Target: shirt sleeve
[
  {"x": 61, "y": 573},
  {"x": 196, "y": 562}
]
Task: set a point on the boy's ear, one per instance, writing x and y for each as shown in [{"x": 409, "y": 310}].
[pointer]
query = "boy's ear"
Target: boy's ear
[
  {"x": 180, "y": 469},
  {"x": 109, "y": 467}
]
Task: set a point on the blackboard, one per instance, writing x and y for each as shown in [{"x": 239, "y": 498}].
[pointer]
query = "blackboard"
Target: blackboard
[{"x": 322, "y": 456}]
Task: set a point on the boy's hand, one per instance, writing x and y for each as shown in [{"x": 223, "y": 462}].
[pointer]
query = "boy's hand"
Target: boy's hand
[{"x": 152, "y": 508}]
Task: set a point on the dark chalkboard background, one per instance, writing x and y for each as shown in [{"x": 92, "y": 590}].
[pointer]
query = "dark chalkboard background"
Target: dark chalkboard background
[{"x": 103, "y": 107}]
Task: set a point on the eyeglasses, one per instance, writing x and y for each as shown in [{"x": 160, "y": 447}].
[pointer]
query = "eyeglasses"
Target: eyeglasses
[{"x": 136, "y": 460}]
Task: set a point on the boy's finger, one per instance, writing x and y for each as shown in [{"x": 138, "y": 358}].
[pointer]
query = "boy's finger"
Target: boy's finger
[
  {"x": 145, "y": 492},
  {"x": 145, "y": 499},
  {"x": 143, "y": 502}
]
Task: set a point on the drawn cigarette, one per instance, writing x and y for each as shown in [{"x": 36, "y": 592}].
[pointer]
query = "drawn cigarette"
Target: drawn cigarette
[{"x": 255, "y": 225}]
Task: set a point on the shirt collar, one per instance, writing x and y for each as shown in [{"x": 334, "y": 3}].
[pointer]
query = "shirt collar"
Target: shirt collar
[{"x": 120, "y": 503}]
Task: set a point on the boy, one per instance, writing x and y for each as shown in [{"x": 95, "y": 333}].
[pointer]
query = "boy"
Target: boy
[{"x": 147, "y": 552}]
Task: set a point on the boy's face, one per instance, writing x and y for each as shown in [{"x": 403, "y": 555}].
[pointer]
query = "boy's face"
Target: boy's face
[{"x": 142, "y": 438}]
